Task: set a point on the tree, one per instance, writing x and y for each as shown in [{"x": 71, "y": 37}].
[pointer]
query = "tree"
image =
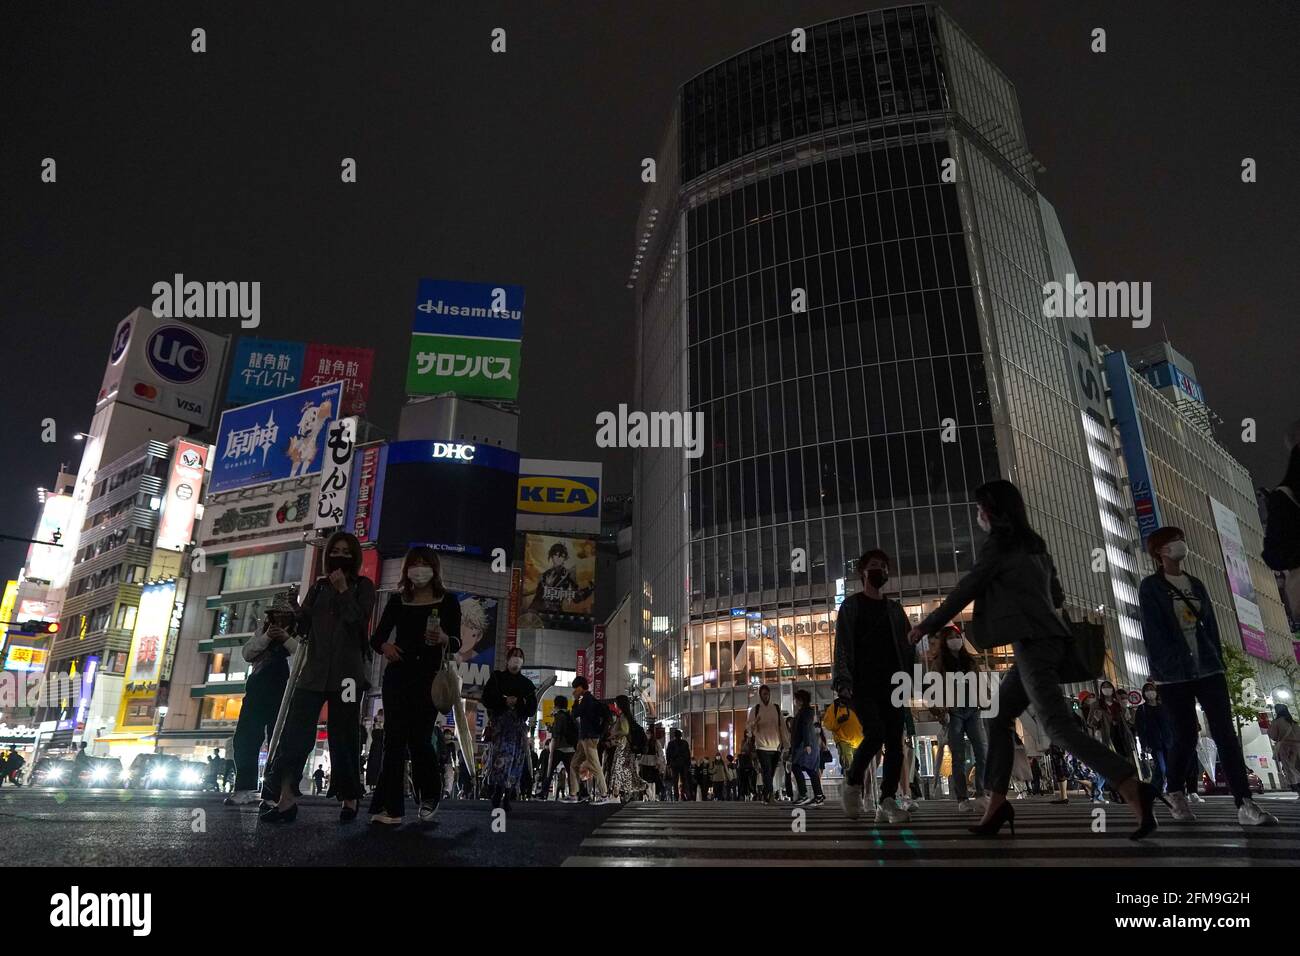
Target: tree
[{"x": 1243, "y": 689}]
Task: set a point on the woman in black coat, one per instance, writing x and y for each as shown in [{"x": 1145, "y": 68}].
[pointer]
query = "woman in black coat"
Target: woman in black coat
[
  {"x": 420, "y": 624},
  {"x": 510, "y": 699},
  {"x": 1016, "y": 594}
]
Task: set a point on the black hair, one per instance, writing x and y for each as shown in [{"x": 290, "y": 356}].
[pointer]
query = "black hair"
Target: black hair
[
  {"x": 1008, "y": 519},
  {"x": 580, "y": 681},
  {"x": 624, "y": 705},
  {"x": 877, "y": 554},
  {"x": 803, "y": 696},
  {"x": 561, "y": 702},
  {"x": 557, "y": 548},
  {"x": 354, "y": 548}
]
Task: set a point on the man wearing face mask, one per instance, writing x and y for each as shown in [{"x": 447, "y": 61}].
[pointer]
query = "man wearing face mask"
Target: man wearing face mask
[
  {"x": 1186, "y": 657},
  {"x": 871, "y": 646}
]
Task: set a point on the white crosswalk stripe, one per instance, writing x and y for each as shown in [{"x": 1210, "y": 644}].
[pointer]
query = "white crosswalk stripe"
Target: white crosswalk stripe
[{"x": 733, "y": 834}]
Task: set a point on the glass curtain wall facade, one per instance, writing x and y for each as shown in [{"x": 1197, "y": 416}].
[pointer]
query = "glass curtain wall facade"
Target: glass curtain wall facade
[{"x": 863, "y": 172}]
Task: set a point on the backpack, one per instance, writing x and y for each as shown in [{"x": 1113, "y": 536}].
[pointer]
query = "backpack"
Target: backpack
[
  {"x": 564, "y": 729},
  {"x": 636, "y": 736}
]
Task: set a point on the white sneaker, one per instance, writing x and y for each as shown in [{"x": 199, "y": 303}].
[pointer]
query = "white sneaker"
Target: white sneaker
[
  {"x": 1250, "y": 814},
  {"x": 851, "y": 800},
  {"x": 1178, "y": 807},
  {"x": 964, "y": 806},
  {"x": 385, "y": 818},
  {"x": 428, "y": 810},
  {"x": 607, "y": 799},
  {"x": 907, "y": 803},
  {"x": 890, "y": 812},
  {"x": 242, "y": 798},
  {"x": 1194, "y": 797}
]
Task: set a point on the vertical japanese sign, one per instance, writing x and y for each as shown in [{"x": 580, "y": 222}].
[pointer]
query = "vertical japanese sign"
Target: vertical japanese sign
[
  {"x": 580, "y": 669},
  {"x": 331, "y": 501},
  {"x": 1133, "y": 442},
  {"x": 598, "y": 662},
  {"x": 367, "y": 493},
  {"x": 1249, "y": 621},
  {"x": 512, "y": 614}
]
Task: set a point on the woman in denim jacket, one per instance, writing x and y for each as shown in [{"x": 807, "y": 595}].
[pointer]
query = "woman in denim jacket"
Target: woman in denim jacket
[{"x": 1186, "y": 657}]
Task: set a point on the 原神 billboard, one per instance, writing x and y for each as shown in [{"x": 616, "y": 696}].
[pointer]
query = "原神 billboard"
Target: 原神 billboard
[
  {"x": 559, "y": 582},
  {"x": 274, "y": 440}
]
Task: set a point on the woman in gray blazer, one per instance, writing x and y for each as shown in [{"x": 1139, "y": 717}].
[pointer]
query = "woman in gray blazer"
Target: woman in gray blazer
[{"x": 1017, "y": 594}]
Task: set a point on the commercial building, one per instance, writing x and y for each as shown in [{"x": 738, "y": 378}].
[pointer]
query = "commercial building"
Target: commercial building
[
  {"x": 842, "y": 265},
  {"x": 130, "y": 513},
  {"x": 1180, "y": 475}
]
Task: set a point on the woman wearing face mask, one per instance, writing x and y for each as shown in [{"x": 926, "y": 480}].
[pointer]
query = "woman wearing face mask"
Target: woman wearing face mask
[
  {"x": 806, "y": 750},
  {"x": 1106, "y": 720},
  {"x": 1186, "y": 658},
  {"x": 1016, "y": 594},
  {"x": 964, "y": 722},
  {"x": 510, "y": 699},
  {"x": 1154, "y": 732},
  {"x": 334, "y": 617},
  {"x": 420, "y": 624}
]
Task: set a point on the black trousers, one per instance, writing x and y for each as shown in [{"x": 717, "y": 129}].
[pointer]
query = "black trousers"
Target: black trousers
[
  {"x": 299, "y": 738},
  {"x": 679, "y": 781},
  {"x": 409, "y": 719},
  {"x": 1034, "y": 680},
  {"x": 767, "y": 764},
  {"x": 882, "y": 723},
  {"x": 257, "y": 716},
  {"x": 1181, "y": 698}
]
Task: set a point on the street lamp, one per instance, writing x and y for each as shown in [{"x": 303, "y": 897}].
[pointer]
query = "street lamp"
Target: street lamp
[{"x": 1282, "y": 693}]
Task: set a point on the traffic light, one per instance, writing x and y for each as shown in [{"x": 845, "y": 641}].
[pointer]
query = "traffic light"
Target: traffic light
[{"x": 39, "y": 627}]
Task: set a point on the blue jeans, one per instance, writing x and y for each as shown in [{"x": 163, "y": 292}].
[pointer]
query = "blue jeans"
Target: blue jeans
[
  {"x": 965, "y": 723},
  {"x": 1159, "y": 761}
]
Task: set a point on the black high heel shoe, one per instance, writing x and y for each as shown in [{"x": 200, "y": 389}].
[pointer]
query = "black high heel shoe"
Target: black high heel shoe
[
  {"x": 1003, "y": 814},
  {"x": 346, "y": 815},
  {"x": 1147, "y": 797},
  {"x": 276, "y": 815}
]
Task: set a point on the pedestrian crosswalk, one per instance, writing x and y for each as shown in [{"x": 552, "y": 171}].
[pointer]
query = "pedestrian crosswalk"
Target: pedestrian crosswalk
[{"x": 754, "y": 834}]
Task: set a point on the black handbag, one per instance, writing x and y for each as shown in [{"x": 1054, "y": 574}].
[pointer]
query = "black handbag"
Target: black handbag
[{"x": 1085, "y": 652}]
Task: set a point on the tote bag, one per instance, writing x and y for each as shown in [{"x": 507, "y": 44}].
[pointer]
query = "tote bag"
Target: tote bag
[
  {"x": 446, "y": 686},
  {"x": 1085, "y": 655}
]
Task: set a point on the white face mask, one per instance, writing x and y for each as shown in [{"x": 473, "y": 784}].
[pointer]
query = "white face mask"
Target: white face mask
[
  {"x": 1150, "y": 695},
  {"x": 1175, "y": 550},
  {"x": 983, "y": 522},
  {"x": 954, "y": 644},
  {"x": 1106, "y": 692},
  {"x": 420, "y": 576},
  {"x": 514, "y": 665}
]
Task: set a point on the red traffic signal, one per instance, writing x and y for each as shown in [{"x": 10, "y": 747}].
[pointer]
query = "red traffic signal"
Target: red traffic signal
[{"x": 39, "y": 627}]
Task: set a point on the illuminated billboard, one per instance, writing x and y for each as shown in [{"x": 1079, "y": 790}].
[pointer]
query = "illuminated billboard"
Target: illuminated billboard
[
  {"x": 559, "y": 582},
  {"x": 47, "y": 562},
  {"x": 184, "y": 488},
  {"x": 153, "y": 622}
]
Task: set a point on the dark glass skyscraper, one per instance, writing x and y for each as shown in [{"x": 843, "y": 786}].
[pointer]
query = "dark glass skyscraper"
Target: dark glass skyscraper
[{"x": 881, "y": 180}]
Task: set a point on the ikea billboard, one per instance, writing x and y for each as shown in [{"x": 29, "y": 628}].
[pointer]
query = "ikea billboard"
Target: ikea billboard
[{"x": 558, "y": 495}]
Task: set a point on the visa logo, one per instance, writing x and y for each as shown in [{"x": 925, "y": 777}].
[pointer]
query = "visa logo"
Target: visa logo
[
  {"x": 556, "y": 496},
  {"x": 185, "y": 405}
]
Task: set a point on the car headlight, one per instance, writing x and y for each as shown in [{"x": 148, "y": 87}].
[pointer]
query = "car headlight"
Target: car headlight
[
  {"x": 157, "y": 775},
  {"x": 189, "y": 776},
  {"x": 126, "y": 777},
  {"x": 55, "y": 773},
  {"x": 99, "y": 775}
]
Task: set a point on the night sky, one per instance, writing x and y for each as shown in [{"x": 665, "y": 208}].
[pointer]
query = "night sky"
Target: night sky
[{"x": 524, "y": 168}]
